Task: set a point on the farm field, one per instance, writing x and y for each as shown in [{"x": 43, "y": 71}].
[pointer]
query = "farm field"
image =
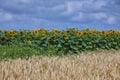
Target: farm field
[
  {"x": 69, "y": 54},
  {"x": 60, "y": 40},
  {"x": 105, "y": 65},
  {"x": 26, "y": 43}
]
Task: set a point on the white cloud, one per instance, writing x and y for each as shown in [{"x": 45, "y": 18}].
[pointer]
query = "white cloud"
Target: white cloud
[
  {"x": 91, "y": 17},
  {"x": 83, "y": 5},
  {"x": 111, "y": 20},
  {"x": 22, "y": 1},
  {"x": 100, "y": 15},
  {"x": 58, "y": 7},
  {"x": 80, "y": 17},
  {"x": 100, "y": 3},
  {"x": 6, "y": 17},
  {"x": 71, "y": 11}
]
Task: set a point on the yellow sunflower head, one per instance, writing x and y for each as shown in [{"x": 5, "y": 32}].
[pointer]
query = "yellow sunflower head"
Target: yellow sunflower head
[
  {"x": 85, "y": 32},
  {"x": 36, "y": 31},
  {"x": 43, "y": 34},
  {"x": 103, "y": 32},
  {"x": 10, "y": 32},
  {"x": 118, "y": 32},
  {"x": 21, "y": 32},
  {"x": 94, "y": 31},
  {"x": 80, "y": 33},
  {"x": 112, "y": 31},
  {"x": 68, "y": 31},
  {"x": 55, "y": 31},
  {"x": 0, "y": 30},
  {"x": 53, "y": 37},
  {"x": 43, "y": 31},
  {"x": 64, "y": 35}
]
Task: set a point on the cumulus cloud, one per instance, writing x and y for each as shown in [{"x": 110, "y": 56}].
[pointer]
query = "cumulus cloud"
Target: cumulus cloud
[
  {"x": 61, "y": 11},
  {"x": 111, "y": 20},
  {"x": 5, "y": 17},
  {"x": 92, "y": 10}
]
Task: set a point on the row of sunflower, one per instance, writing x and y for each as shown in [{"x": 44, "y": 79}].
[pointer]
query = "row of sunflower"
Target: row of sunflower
[{"x": 69, "y": 40}]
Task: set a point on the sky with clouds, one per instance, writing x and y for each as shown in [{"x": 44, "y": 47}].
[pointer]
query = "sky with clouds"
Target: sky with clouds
[{"x": 60, "y": 14}]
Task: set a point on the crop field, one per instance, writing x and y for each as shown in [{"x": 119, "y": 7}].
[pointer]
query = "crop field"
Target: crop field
[
  {"x": 105, "y": 65},
  {"x": 69, "y": 54},
  {"x": 25, "y": 43}
]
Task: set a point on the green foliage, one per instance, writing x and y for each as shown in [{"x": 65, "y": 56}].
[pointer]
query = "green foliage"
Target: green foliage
[{"x": 25, "y": 43}]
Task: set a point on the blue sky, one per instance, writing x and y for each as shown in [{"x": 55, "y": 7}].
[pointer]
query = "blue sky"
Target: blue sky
[{"x": 60, "y": 14}]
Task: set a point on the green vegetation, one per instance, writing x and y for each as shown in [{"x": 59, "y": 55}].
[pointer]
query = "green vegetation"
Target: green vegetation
[{"x": 25, "y": 43}]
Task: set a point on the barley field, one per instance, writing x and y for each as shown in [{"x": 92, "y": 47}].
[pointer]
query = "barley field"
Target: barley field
[{"x": 105, "y": 65}]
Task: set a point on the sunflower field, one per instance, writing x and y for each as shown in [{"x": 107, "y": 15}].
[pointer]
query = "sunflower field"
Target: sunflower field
[{"x": 65, "y": 41}]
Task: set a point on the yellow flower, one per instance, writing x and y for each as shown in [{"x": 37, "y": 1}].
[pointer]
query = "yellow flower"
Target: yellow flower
[
  {"x": 118, "y": 32},
  {"x": 10, "y": 32},
  {"x": 107, "y": 34},
  {"x": 103, "y": 32},
  {"x": 14, "y": 35},
  {"x": 43, "y": 34},
  {"x": 53, "y": 37},
  {"x": 85, "y": 32},
  {"x": 79, "y": 33},
  {"x": 36, "y": 31},
  {"x": 43, "y": 31},
  {"x": 64, "y": 35},
  {"x": 55, "y": 31},
  {"x": 68, "y": 31},
  {"x": 0, "y": 30},
  {"x": 94, "y": 31},
  {"x": 112, "y": 31},
  {"x": 21, "y": 32}
]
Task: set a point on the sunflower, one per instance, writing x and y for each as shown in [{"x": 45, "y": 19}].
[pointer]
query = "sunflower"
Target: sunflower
[
  {"x": 93, "y": 31},
  {"x": 112, "y": 31},
  {"x": 43, "y": 34},
  {"x": 85, "y": 32},
  {"x": 43, "y": 31},
  {"x": 21, "y": 32},
  {"x": 79, "y": 33},
  {"x": 64, "y": 35},
  {"x": 118, "y": 32},
  {"x": 36, "y": 31},
  {"x": 103, "y": 32},
  {"x": 55, "y": 31},
  {"x": 10, "y": 32},
  {"x": 0, "y": 30},
  {"x": 68, "y": 31},
  {"x": 53, "y": 37}
]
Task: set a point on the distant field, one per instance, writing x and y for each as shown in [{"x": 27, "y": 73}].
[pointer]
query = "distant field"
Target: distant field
[{"x": 105, "y": 65}]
